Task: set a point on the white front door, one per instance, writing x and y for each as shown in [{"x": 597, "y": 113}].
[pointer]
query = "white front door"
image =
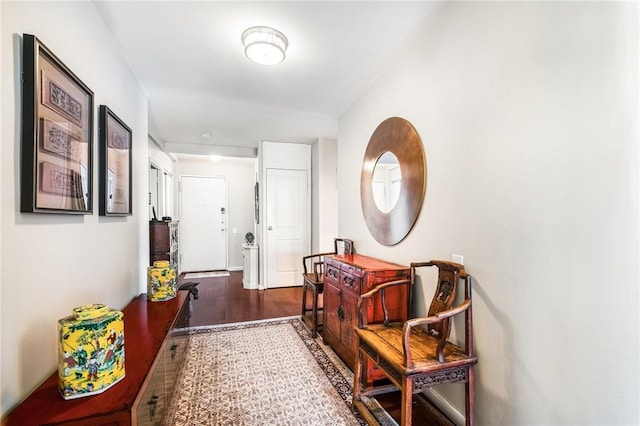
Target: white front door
[
  {"x": 203, "y": 223},
  {"x": 287, "y": 226}
]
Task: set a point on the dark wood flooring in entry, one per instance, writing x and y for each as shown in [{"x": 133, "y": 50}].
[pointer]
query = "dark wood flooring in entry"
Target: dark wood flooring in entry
[{"x": 223, "y": 300}]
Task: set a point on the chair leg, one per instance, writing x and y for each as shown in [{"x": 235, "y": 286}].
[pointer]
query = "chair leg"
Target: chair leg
[
  {"x": 357, "y": 386},
  {"x": 470, "y": 398},
  {"x": 406, "y": 411},
  {"x": 304, "y": 299},
  {"x": 314, "y": 312}
]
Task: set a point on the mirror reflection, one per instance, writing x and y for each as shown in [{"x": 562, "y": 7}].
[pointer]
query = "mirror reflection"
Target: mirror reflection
[{"x": 386, "y": 182}]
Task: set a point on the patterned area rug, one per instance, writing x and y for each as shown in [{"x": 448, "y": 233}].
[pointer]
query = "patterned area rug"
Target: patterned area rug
[
  {"x": 268, "y": 372},
  {"x": 211, "y": 274}
]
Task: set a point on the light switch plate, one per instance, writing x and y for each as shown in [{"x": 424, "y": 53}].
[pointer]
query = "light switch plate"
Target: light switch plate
[{"x": 458, "y": 258}]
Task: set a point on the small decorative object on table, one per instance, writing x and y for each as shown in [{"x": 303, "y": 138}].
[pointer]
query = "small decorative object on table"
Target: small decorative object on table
[
  {"x": 90, "y": 351},
  {"x": 249, "y": 238},
  {"x": 162, "y": 283}
]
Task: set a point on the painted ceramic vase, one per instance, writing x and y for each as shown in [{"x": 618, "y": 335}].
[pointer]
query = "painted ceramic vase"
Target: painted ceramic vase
[
  {"x": 162, "y": 282},
  {"x": 90, "y": 351}
]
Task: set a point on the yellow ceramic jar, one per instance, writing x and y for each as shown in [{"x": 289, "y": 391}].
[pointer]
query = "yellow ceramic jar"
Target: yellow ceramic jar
[
  {"x": 90, "y": 351},
  {"x": 162, "y": 282}
]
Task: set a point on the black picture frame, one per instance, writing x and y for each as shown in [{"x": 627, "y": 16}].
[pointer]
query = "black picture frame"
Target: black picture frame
[
  {"x": 57, "y": 135},
  {"x": 116, "y": 165}
]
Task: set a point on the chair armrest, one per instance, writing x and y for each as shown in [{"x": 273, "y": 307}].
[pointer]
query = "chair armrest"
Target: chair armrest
[
  {"x": 430, "y": 320},
  {"x": 373, "y": 291},
  {"x": 311, "y": 256}
]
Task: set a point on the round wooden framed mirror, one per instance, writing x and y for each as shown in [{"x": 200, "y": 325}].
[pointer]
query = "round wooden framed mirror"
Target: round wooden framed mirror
[{"x": 392, "y": 193}]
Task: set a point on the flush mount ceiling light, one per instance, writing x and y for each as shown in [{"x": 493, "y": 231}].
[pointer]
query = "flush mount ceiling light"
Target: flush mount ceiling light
[{"x": 264, "y": 45}]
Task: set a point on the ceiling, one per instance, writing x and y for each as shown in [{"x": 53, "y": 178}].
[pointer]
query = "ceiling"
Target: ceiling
[{"x": 190, "y": 61}]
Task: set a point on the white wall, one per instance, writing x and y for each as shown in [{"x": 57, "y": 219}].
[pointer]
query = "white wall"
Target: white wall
[
  {"x": 241, "y": 177},
  {"x": 324, "y": 194},
  {"x": 53, "y": 263},
  {"x": 160, "y": 159},
  {"x": 528, "y": 113},
  {"x": 315, "y": 197},
  {"x": 2, "y": 203}
]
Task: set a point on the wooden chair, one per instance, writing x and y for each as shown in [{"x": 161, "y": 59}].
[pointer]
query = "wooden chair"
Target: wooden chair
[
  {"x": 313, "y": 280},
  {"x": 417, "y": 354}
]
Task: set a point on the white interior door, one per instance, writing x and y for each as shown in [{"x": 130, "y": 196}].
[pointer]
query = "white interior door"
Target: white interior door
[
  {"x": 203, "y": 223},
  {"x": 287, "y": 226}
]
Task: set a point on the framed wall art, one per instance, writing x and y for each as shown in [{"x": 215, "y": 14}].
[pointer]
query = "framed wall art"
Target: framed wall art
[
  {"x": 57, "y": 135},
  {"x": 115, "y": 165}
]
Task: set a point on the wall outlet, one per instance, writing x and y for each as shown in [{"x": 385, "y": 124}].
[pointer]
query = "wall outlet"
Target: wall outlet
[
  {"x": 458, "y": 258},
  {"x": 235, "y": 230}
]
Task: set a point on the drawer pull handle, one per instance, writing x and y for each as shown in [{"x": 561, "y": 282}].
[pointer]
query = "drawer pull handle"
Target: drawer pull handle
[
  {"x": 173, "y": 351},
  {"x": 349, "y": 281},
  {"x": 340, "y": 313},
  {"x": 332, "y": 273},
  {"x": 153, "y": 403}
]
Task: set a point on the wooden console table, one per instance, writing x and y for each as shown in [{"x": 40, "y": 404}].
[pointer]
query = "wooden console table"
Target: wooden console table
[
  {"x": 156, "y": 340},
  {"x": 346, "y": 277}
]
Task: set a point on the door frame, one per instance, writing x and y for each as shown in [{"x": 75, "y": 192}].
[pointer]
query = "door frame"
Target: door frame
[
  {"x": 279, "y": 155},
  {"x": 153, "y": 191}
]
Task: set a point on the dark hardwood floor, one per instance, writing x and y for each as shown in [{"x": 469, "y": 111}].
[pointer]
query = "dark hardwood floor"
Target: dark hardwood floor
[{"x": 223, "y": 300}]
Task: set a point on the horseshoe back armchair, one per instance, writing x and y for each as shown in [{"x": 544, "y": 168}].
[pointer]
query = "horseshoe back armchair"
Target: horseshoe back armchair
[{"x": 417, "y": 354}]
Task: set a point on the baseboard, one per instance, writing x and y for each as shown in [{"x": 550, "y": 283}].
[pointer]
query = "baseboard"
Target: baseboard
[
  {"x": 235, "y": 268},
  {"x": 443, "y": 405}
]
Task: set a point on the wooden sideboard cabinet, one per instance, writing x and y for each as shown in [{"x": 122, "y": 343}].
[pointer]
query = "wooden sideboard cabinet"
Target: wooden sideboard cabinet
[
  {"x": 345, "y": 278},
  {"x": 163, "y": 242},
  {"x": 156, "y": 340}
]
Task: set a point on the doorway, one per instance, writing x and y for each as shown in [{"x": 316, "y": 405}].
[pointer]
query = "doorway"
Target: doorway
[
  {"x": 203, "y": 223},
  {"x": 287, "y": 226},
  {"x": 154, "y": 190}
]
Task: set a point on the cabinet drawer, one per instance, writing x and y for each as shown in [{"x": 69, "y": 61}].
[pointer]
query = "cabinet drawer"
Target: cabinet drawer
[
  {"x": 386, "y": 276},
  {"x": 332, "y": 273},
  {"x": 174, "y": 356},
  {"x": 350, "y": 282},
  {"x": 352, "y": 270},
  {"x": 152, "y": 403}
]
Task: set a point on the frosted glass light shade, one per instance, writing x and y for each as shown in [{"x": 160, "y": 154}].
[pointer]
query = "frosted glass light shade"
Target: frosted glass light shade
[{"x": 264, "y": 45}]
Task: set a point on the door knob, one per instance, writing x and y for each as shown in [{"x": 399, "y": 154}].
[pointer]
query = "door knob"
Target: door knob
[{"x": 270, "y": 228}]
